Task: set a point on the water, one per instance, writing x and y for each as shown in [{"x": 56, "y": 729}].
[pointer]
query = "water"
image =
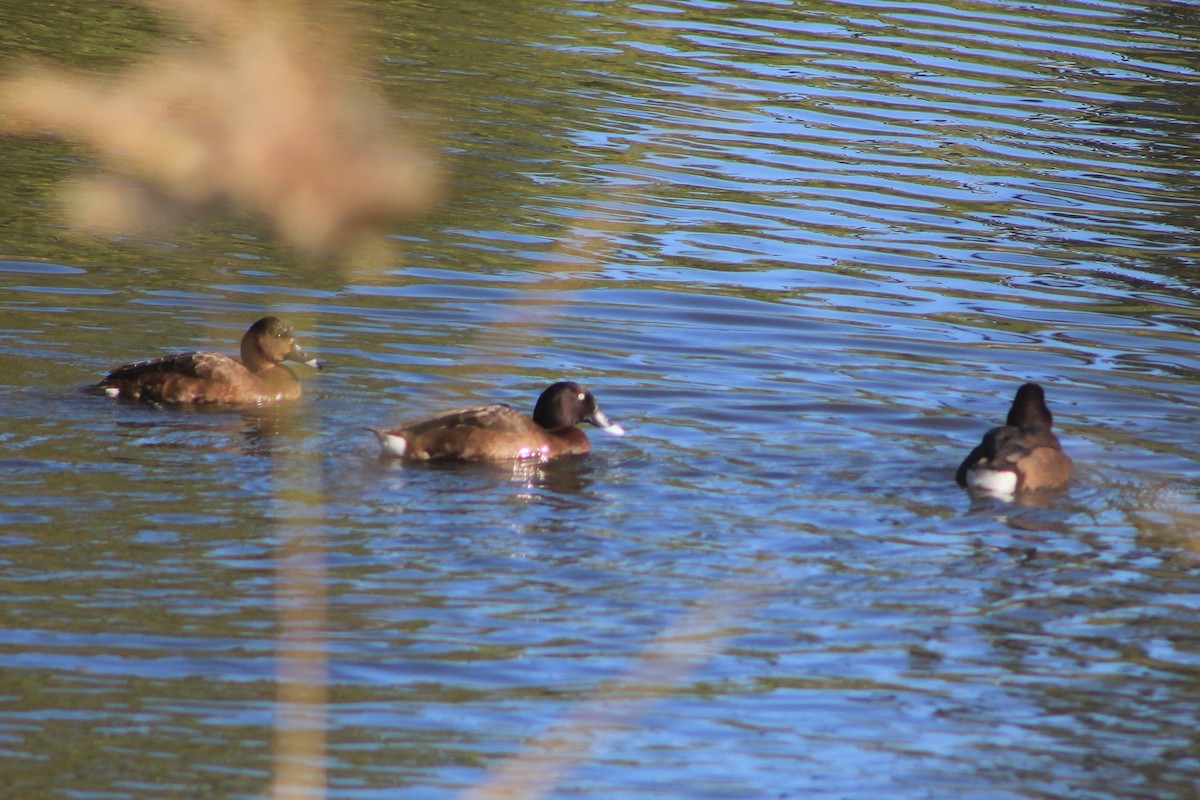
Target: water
[{"x": 804, "y": 253}]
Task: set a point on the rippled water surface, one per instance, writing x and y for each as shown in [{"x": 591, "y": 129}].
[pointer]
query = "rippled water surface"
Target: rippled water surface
[{"x": 804, "y": 253}]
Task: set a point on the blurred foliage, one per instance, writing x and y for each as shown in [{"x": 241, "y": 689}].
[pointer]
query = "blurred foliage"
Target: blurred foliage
[{"x": 260, "y": 113}]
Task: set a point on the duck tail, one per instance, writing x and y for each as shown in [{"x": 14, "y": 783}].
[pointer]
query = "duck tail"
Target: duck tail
[{"x": 392, "y": 444}]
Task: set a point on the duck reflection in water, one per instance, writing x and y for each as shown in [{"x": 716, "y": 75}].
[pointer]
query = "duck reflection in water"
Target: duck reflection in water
[
  {"x": 267, "y": 429},
  {"x": 1021, "y": 456},
  {"x": 253, "y": 430}
]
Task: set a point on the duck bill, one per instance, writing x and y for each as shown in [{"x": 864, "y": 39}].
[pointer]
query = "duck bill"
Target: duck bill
[
  {"x": 297, "y": 354},
  {"x": 601, "y": 421}
]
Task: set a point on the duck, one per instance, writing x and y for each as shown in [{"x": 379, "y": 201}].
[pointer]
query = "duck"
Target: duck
[
  {"x": 259, "y": 378},
  {"x": 499, "y": 432},
  {"x": 1023, "y": 455}
]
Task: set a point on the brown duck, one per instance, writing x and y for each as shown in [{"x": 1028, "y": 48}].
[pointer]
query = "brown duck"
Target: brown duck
[
  {"x": 499, "y": 432},
  {"x": 1021, "y": 455},
  {"x": 209, "y": 378}
]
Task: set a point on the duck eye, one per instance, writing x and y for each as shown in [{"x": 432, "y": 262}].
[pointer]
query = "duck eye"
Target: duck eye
[{"x": 582, "y": 396}]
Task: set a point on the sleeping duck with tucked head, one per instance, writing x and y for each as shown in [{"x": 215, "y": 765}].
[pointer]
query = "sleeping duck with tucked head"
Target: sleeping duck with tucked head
[
  {"x": 1023, "y": 455},
  {"x": 260, "y": 378},
  {"x": 499, "y": 432}
]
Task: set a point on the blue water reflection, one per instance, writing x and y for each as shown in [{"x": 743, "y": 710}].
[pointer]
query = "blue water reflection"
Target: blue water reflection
[{"x": 804, "y": 254}]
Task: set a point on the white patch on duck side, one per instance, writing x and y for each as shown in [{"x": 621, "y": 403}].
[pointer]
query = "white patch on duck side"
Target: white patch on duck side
[
  {"x": 390, "y": 443},
  {"x": 112, "y": 391},
  {"x": 1001, "y": 484}
]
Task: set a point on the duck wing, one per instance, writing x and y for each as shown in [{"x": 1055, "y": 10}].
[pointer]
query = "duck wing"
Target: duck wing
[
  {"x": 498, "y": 417},
  {"x": 495, "y": 432},
  {"x": 205, "y": 366}
]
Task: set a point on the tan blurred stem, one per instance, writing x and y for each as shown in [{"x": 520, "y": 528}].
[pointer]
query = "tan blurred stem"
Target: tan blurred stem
[
  {"x": 523, "y": 326},
  {"x": 668, "y": 660},
  {"x": 302, "y": 680},
  {"x": 259, "y": 114}
]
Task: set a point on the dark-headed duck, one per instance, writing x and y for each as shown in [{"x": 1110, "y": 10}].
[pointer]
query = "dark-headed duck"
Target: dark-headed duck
[
  {"x": 258, "y": 379},
  {"x": 499, "y": 432},
  {"x": 1022, "y": 455}
]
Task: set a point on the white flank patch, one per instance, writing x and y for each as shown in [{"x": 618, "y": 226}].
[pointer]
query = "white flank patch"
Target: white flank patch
[
  {"x": 112, "y": 391},
  {"x": 391, "y": 444},
  {"x": 998, "y": 483}
]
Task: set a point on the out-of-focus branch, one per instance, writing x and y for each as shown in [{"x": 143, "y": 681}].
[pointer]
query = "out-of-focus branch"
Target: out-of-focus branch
[
  {"x": 664, "y": 666},
  {"x": 261, "y": 115}
]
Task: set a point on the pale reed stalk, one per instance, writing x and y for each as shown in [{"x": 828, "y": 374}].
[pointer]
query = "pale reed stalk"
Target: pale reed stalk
[{"x": 661, "y": 669}]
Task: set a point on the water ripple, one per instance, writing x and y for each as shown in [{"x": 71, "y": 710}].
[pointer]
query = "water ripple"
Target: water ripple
[{"x": 804, "y": 253}]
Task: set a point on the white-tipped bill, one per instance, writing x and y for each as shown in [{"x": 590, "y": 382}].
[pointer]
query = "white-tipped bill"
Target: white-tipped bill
[
  {"x": 613, "y": 429},
  {"x": 601, "y": 421}
]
